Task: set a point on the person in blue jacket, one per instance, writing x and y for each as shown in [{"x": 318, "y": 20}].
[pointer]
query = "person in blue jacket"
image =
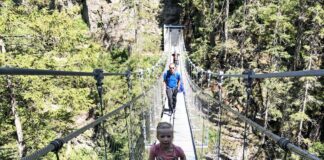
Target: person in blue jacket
[{"x": 171, "y": 80}]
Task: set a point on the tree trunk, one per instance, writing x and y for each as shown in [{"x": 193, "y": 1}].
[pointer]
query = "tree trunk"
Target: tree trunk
[
  {"x": 243, "y": 36},
  {"x": 213, "y": 32},
  {"x": 212, "y": 6},
  {"x": 226, "y": 31},
  {"x": 19, "y": 131},
  {"x": 299, "y": 137},
  {"x": 299, "y": 33},
  {"x": 265, "y": 102},
  {"x": 2, "y": 46},
  {"x": 275, "y": 59}
]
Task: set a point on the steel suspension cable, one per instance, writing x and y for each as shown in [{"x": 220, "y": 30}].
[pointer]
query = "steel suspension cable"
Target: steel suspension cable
[
  {"x": 130, "y": 135},
  {"x": 208, "y": 76},
  {"x": 33, "y": 72},
  {"x": 58, "y": 143},
  {"x": 248, "y": 85},
  {"x": 303, "y": 73},
  {"x": 199, "y": 81},
  {"x": 220, "y": 82},
  {"x": 99, "y": 77},
  {"x": 187, "y": 110},
  {"x": 283, "y": 142},
  {"x": 143, "y": 113}
]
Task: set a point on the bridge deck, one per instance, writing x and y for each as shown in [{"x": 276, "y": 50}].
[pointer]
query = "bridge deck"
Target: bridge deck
[{"x": 182, "y": 134}]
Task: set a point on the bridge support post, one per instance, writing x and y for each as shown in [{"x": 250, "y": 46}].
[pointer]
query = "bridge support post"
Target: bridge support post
[
  {"x": 99, "y": 76},
  {"x": 248, "y": 84},
  {"x": 130, "y": 133},
  {"x": 142, "y": 110},
  {"x": 220, "y": 80}
]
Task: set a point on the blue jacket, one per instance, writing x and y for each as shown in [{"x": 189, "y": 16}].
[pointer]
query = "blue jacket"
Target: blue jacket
[{"x": 171, "y": 80}]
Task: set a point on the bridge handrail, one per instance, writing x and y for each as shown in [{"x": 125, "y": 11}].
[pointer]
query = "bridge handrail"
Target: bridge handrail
[
  {"x": 44, "y": 72},
  {"x": 58, "y": 143},
  {"x": 303, "y": 73},
  {"x": 281, "y": 141},
  {"x": 40, "y": 72}
]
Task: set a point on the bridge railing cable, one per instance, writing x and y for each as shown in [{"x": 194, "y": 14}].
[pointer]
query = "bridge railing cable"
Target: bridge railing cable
[
  {"x": 304, "y": 73},
  {"x": 134, "y": 109},
  {"x": 198, "y": 113},
  {"x": 39, "y": 72},
  {"x": 248, "y": 77},
  {"x": 58, "y": 143}
]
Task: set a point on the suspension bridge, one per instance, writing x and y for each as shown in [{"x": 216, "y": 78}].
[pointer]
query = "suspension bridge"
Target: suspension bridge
[{"x": 197, "y": 114}]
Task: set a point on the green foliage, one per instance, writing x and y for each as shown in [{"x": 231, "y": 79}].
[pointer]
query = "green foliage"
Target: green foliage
[
  {"x": 299, "y": 116},
  {"x": 318, "y": 148},
  {"x": 53, "y": 106},
  {"x": 264, "y": 38}
]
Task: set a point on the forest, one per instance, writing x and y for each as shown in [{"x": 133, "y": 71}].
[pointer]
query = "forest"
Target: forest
[
  {"x": 221, "y": 35},
  {"x": 265, "y": 36},
  {"x": 54, "y": 35}
]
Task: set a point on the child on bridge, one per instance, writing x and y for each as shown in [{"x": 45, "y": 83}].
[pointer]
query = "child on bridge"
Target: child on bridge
[{"x": 165, "y": 150}]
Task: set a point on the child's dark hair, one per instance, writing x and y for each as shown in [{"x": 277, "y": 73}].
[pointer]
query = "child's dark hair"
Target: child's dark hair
[{"x": 163, "y": 125}]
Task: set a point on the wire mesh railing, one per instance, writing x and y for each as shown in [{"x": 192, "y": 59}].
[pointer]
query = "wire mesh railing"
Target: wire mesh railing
[
  {"x": 229, "y": 122},
  {"x": 122, "y": 133}
]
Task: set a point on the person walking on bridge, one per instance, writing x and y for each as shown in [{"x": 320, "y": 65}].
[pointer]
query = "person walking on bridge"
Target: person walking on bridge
[
  {"x": 175, "y": 58},
  {"x": 171, "y": 80}
]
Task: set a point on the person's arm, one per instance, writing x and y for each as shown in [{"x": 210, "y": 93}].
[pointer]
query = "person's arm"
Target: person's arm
[
  {"x": 182, "y": 154},
  {"x": 151, "y": 155},
  {"x": 164, "y": 82},
  {"x": 179, "y": 81}
]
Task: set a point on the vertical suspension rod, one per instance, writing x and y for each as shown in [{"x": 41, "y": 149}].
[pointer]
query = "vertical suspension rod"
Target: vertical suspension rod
[
  {"x": 220, "y": 82},
  {"x": 99, "y": 76},
  {"x": 248, "y": 85},
  {"x": 130, "y": 139},
  {"x": 143, "y": 112}
]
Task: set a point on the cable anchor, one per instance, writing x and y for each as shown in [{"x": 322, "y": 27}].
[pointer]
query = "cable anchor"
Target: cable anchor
[
  {"x": 58, "y": 144},
  {"x": 248, "y": 80},
  {"x": 283, "y": 143},
  {"x": 128, "y": 78},
  {"x": 98, "y": 75}
]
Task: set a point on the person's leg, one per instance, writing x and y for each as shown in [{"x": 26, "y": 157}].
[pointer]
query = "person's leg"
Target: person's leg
[
  {"x": 174, "y": 97},
  {"x": 169, "y": 93}
]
